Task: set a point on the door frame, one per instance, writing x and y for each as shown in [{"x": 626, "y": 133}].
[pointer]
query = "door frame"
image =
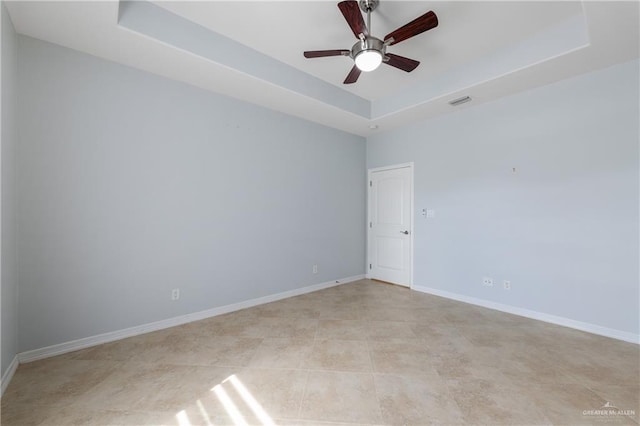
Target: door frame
[{"x": 411, "y": 216}]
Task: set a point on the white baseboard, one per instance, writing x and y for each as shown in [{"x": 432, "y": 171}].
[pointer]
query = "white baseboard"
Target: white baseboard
[
  {"x": 8, "y": 375},
  {"x": 61, "y": 348},
  {"x": 566, "y": 322}
]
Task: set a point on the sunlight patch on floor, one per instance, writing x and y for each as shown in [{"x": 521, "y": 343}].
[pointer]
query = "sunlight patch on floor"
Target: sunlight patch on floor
[
  {"x": 231, "y": 402},
  {"x": 229, "y": 406},
  {"x": 183, "y": 419},
  {"x": 250, "y": 401},
  {"x": 204, "y": 413}
]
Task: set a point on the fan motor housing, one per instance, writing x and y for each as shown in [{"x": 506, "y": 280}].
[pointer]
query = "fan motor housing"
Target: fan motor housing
[{"x": 368, "y": 43}]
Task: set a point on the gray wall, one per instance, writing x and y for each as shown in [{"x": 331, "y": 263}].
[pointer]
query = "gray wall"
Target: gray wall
[
  {"x": 130, "y": 185},
  {"x": 9, "y": 139},
  {"x": 563, "y": 228}
]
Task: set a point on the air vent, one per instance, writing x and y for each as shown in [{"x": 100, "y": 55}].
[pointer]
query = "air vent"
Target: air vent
[{"x": 459, "y": 101}]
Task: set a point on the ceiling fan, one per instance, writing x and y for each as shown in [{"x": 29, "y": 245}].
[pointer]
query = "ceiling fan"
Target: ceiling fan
[{"x": 369, "y": 52}]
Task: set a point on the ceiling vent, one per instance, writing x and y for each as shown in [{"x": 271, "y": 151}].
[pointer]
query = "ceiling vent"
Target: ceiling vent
[{"x": 459, "y": 101}]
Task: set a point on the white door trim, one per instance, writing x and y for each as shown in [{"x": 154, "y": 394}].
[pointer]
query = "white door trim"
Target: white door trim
[{"x": 379, "y": 169}]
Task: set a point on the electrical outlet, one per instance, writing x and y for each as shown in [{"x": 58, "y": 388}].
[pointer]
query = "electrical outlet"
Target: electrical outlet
[
  {"x": 486, "y": 281},
  {"x": 506, "y": 284},
  {"x": 175, "y": 294},
  {"x": 314, "y": 269}
]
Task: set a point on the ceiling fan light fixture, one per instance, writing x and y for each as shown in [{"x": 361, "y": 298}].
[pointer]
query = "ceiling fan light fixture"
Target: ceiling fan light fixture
[
  {"x": 368, "y": 60},
  {"x": 369, "y": 51}
]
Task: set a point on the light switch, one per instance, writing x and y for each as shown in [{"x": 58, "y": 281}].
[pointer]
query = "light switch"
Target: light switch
[{"x": 428, "y": 213}]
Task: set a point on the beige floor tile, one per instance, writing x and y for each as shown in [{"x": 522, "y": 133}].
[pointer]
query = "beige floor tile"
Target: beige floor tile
[
  {"x": 462, "y": 314},
  {"x": 584, "y": 369},
  {"x": 235, "y": 324},
  {"x": 466, "y": 366},
  {"x": 259, "y": 326},
  {"x": 402, "y": 363},
  {"x": 153, "y": 387},
  {"x": 614, "y": 352},
  {"x": 495, "y": 402},
  {"x": 570, "y": 404},
  {"x": 527, "y": 366},
  {"x": 121, "y": 350},
  {"x": 289, "y": 308},
  {"x": 381, "y": 312},
  {"x": 401, "y": 357},
  {"x": 249, "y": 396},
  {"x": 159, "y": 336},
  {"x": 212, "y": 412},
  {"x": 343, "y": 355},
  {"x": 386, "y": 330},
  {"x": 423, "y": 314},
  {"x": 56, "y": 381},
  {"x": 415, "y": 400},
  {"x": 449, "y": 346},
  {"x": 282, "y": 352},
  {"x": 184, "y": 349},
  {"x": 299, "y": 422},
  {"x": 435, "y": 330},
  {"x": 222, "y": 405},
  {"x": 340, "y": 397},
  {"x": 362, "y": 353},
  {"x": 285, "y": 327},
  {"x": 341, "y": 312},
  {"x": 395, "y": 345},
  {"x": 626, "y": 398},
  {"x": 491, "y": 336},
  {"x": 207, "y": 328},
  {"x": 83, "y": 417},
  {"x": 141, "y": 418},
  {"x": 278, "y": 392},
  {"x": 342, "y": 329},
  {"x": 19, "y": 414}
]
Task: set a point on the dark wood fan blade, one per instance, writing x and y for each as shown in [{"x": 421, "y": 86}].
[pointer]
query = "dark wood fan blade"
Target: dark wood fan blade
[
  {"x": 353, "y": 75},
  {"x": 419, "y": 25},
  {"x": 323, "y": 53},
  {"x": 351, "y": 12},
  {"x": 400, "y": 62}
]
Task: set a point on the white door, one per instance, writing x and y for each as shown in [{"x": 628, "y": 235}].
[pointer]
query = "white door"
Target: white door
[{"x": 390, "y": 224}]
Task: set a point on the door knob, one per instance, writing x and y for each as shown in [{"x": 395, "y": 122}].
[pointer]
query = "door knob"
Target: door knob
[{"x": 404, "y": 232}]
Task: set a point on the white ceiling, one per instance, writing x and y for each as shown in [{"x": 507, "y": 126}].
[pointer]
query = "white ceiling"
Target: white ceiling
[
  {"x": 483, "y": 49},
  {"x": 284, "y": 30}
]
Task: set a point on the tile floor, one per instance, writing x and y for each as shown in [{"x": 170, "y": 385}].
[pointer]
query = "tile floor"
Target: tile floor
[{"x": 364, "y": 353}]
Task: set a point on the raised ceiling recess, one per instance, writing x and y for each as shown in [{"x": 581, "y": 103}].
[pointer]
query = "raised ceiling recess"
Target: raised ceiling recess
[{"x": 245, "y": 49}]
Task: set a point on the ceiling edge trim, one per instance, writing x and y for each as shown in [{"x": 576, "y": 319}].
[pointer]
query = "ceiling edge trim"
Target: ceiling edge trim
[{"x": 154, "y": 22}]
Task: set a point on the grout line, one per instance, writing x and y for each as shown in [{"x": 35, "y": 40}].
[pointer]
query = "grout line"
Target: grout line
[
  {"x": 373, "y": 378},
  {"x": 301, "y": 363},
  {"x": 304, "y": 394}
]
